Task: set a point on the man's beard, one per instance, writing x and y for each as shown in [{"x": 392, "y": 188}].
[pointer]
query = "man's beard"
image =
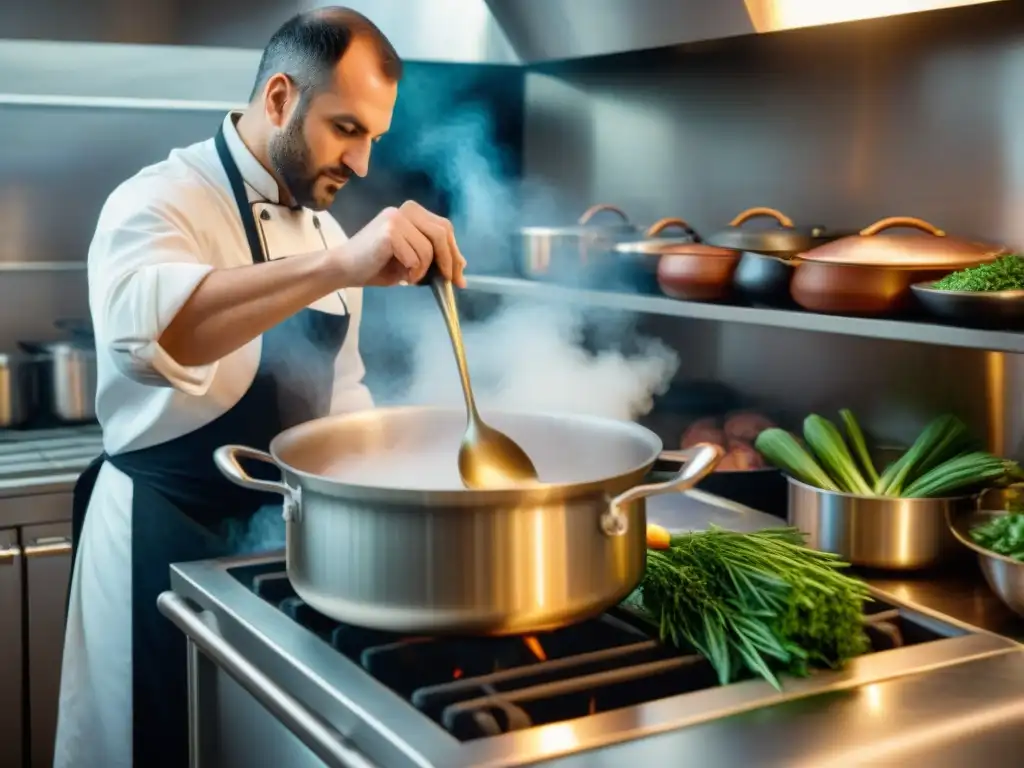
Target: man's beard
[{"x": 290, "y": 158}]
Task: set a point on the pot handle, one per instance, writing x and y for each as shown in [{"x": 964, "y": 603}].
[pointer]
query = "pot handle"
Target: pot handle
[
  {"x": 752, "y": 213},
  {"x": 662, "y": 224},
  {"x": 226, "y": 458},
  {"x": 593, "y": 210},
  {"x": 698, "y": 463},
  {"x": 902, "y": 221}
]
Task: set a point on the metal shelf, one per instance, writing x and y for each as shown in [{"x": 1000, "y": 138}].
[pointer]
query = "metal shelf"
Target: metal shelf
[
  {"x": 42, "y": 266},
  {"x": 895, "y": 330},
  {"x": 116, "y": 102}
]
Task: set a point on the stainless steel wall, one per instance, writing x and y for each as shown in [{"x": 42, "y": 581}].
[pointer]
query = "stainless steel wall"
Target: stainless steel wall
[
  {"x": 917, "y": 116},
  {"x": 77, "y": 119},
  {"x": 437, "y": 30}
]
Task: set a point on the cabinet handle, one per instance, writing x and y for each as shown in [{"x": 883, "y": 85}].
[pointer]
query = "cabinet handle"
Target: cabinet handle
[
  {"x": 9, "y": 554},
  {"x": 50, "y": 546}
]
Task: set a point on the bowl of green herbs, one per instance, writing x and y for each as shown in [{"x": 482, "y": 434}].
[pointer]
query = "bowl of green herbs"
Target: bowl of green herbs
[
  {"x": 989, "y": 295},
  {"x": 997, "y": 537}
]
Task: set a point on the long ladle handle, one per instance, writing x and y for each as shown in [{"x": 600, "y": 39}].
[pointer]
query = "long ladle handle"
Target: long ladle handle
[{"x": 445, "y": 296}]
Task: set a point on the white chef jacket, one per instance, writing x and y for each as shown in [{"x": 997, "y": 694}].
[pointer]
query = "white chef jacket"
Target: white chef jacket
[{"x": 159, "y": 234}]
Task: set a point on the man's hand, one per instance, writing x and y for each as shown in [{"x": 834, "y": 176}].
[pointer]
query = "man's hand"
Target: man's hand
[{"x": 398, "y": 246}]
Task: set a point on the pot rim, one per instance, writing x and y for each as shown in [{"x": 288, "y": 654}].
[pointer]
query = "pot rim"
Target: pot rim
[
  {"x": 704, "y": 251},
  {"x": 974, "y": 261},
  {"x": 916, "y": 500},
  {"x": 654, "y": 246},
  {"x": 540, "y": 494},
  {"x": 578, "y": 230},
  {"x": 1011, "y": 294}
]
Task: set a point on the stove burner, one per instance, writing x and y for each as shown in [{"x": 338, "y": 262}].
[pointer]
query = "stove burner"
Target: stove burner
[{"x": 477, "y": 687}]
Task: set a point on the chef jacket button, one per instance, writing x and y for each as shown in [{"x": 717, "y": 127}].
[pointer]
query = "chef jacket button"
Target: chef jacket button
[{"x": 265, "y": 215}]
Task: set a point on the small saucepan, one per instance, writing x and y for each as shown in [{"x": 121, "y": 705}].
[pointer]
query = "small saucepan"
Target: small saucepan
[
  {"x": 766, "y": 266},
  {"x": 573, "y": 254},
  {"x": 871, "y": 273},
  {"x": 637, "y": 263},
  {"x": 697, "y": 271}
]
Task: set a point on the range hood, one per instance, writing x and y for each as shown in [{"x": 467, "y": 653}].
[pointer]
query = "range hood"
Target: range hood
[
  {"x": 546, "y": 30},
  {"x": 504, "y": 32}
]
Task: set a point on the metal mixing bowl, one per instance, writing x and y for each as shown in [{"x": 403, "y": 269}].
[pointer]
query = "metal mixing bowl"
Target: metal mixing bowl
[
  {"x": 1005, "y": 576},
  {"x": 988, "y": 309}
]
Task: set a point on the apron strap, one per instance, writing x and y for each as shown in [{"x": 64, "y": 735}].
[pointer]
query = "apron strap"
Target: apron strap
[{"x": 252, "y": 233}]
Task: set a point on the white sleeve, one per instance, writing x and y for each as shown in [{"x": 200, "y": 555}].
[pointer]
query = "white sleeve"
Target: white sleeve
[
  {"x": 144, "y": 264},
  {"x": 350, "y": 393}
]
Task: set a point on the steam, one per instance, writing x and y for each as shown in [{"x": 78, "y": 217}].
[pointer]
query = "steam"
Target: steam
[
  {"x": 531, "y": 358},
  {"x": 524, "y": 356}
]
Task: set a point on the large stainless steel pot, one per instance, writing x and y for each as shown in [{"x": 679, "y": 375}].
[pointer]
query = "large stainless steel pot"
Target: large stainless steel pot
[
  {"x": 381, "y": 533},
  {"x": 884, "y": 533},
  {"x": 67, "y": 373},
  {"x": 18, "y": 389}
]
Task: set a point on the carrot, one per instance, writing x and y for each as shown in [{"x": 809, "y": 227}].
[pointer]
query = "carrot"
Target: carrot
[{"x": 658, "y": 537}]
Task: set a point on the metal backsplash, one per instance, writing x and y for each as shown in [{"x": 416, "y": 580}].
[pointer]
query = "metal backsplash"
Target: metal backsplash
[
  {"x": 421, "y": 30},
  {"x": 59, "y": 163},
  {"x": 917, "y": 116}
]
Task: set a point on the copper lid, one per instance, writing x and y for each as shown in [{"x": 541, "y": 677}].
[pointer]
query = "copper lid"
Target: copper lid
[{"x": 929, "y": 248}]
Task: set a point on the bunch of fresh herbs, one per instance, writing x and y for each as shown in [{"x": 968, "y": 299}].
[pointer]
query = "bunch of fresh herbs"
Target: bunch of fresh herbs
[
  {"x": 759, "y": 602},
  {"x": 1003, "y": 274},
  {"x": 1003, "y": 535}
]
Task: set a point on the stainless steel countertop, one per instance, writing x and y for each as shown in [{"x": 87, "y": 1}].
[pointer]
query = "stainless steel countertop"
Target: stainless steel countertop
[
  {"x": 36, "y": 462},
  {"x": 945, "y": 703},
  {"x": 38, "y": 470}
]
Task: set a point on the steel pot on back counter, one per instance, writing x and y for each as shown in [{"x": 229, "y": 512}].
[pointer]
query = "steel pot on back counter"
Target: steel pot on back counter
[
  {"x": 381, "y": 533},
  {"x": 570, "y": 254},
  {"x": 66, "y": 373},
  {"x": 19, "y": 389}
]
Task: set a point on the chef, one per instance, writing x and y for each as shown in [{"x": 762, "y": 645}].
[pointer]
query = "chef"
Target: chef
[{"x": 226, "y": 305}]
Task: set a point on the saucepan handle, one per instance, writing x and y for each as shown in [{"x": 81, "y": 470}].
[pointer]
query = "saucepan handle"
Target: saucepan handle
[
  {"x": 698, "y": 462},
  {"x": 226, "y": 458}
]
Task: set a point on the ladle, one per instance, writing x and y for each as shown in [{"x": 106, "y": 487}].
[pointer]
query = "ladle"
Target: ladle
[{"x": 487, "y": 458}]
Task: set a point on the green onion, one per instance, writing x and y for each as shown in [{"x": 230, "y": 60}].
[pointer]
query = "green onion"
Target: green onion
[{"x": 828, "y": 446}]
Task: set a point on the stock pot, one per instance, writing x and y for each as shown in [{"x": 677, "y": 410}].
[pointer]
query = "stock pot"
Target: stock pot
[{"x": 381, "y": 533}]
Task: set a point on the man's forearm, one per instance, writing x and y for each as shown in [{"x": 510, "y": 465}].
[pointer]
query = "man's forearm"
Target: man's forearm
[{"x": 231, "y": 307}]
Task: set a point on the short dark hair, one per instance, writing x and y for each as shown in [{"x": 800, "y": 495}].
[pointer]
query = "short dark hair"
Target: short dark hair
[{"x": 309, "y": 45}]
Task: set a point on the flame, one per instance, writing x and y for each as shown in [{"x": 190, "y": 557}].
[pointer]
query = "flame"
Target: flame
[
  {"x": 535, "y": 647},
  {"x": 592, "y": 706},
  {"x": 456, "y": 674}
]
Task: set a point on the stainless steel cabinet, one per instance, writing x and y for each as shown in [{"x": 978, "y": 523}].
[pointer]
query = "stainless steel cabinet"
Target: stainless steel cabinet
[
  {"x": 46, "y": 550},
  {"x": 11, "y": 653}
]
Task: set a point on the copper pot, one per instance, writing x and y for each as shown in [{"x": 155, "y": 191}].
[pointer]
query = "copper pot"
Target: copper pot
[
  {"x": 697, "y": 271},
  {"x": 637, "y": 260},
  {"x": 871, "y": 273}
]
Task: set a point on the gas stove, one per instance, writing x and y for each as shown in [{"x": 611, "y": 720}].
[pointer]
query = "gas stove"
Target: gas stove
[
  {"x": 480, "y": 687},
  {"x": 596, "y": 693}
]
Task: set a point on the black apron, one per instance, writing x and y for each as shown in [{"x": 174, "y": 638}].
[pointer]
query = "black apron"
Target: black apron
[{"x": 182, "y": 505}]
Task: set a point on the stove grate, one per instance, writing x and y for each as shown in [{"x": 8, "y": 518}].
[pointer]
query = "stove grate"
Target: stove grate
[{"x": 477, "y": 687}]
